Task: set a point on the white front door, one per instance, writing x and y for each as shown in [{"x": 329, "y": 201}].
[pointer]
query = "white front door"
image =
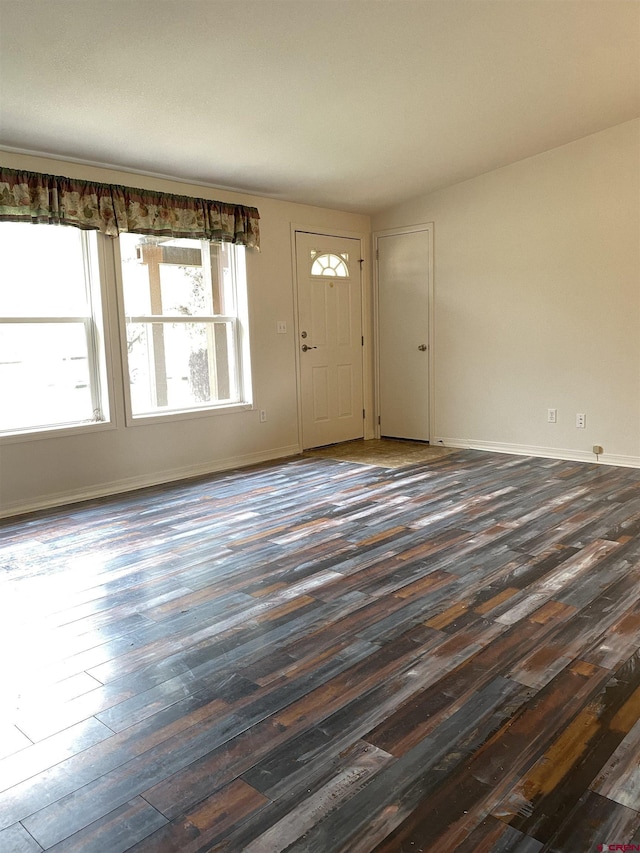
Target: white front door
[
  {"x": 403, "y": 333},
  {"x": 330, "y": 338}
]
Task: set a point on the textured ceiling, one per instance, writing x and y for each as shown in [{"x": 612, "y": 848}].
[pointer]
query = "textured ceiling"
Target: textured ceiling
[{"x": 353, "y": 104}]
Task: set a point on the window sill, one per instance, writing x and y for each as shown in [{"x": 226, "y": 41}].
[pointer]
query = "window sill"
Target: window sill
[
  {"x": 187, "y": 414},
  {"x": 40, "y": 433}
]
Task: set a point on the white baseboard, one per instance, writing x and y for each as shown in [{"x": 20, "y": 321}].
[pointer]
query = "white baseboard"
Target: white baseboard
[
  {"x": 542, "y": 452},
  {"x": 130, "y": 484}
]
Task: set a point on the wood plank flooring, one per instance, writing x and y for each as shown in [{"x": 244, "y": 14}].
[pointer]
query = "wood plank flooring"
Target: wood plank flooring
[{"x": 329, "y": 657}]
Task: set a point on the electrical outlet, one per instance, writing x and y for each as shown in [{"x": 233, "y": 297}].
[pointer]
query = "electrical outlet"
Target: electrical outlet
[
  {"x": 281, "y": 327},
  {"x": 263, "y": 415},
  {"x": 581, "y": 420},
  {"x": 552, "y": 416}
]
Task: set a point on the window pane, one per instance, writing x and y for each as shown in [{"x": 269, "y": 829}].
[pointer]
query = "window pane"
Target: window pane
[
  {"x": 184, "y": 290},
  {"x": 44, "y": 375},
  {"x": 330, "y": 265},
  {"x": 165, "y": 276},
  {"x": 42, "y": 271},
  {"x": 180, "y": 365}
]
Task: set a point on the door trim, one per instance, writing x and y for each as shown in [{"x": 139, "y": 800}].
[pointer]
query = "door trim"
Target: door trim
[
  {"x": 367, "y": 321},
  {"x": 390, "y": 232}
]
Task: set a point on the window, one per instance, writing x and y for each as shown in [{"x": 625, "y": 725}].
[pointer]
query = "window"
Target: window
[
  {"x": 185, "y": 322},
  {"x": 328, "y": 264},
  {"x": 52, "y": 366}
]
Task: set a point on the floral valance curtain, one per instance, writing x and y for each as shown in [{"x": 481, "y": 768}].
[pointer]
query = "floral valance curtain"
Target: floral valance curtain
[{"x": 112, "y": 209}]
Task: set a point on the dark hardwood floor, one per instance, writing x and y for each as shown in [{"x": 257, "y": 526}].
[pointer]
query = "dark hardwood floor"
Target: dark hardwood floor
[{"x": 331, "y": 657}]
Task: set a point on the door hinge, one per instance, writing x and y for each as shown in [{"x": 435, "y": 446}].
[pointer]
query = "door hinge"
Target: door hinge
[
  {"x": 363, "y": 414},
  {"x": 361, "y": 261},
  {"x": 362, "y": 340},
  {"x": 377, "y": 254},
  {"x": 378, "y": 420}
]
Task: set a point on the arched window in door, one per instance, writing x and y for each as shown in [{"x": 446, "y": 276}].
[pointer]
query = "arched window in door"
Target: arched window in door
[{"x": 328, "y": 264}]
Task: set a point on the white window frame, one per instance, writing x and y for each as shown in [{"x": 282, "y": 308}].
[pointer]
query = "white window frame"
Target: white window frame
[
  {"x": 96, "y": 325},
  {"x": 242, "y": 355}
]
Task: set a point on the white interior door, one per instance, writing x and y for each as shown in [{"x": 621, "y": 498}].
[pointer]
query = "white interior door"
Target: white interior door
[
  {"x": 330, "y": 338},
  {"x": 403, "y": 334}
]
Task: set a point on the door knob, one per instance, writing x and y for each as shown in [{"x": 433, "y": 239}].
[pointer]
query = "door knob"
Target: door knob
[
  {"x": 305, "y": 348},
  {"x": 422, "y": 347}
]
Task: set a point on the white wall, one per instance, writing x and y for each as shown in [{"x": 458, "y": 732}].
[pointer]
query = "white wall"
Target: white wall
[
  {"x": 537, "y": 300},
  {"x": 537, "y": 305},
  {"x": 46, "y": 471}
]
